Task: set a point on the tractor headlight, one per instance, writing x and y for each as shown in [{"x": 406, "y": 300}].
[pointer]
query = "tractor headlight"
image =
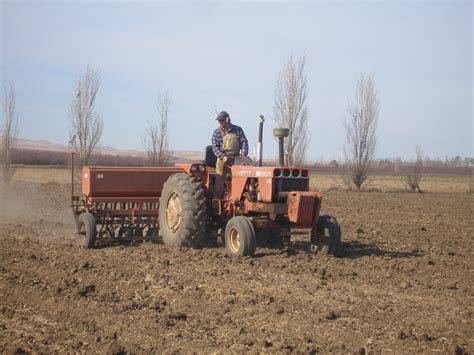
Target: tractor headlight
[
  {"x": 202, "y": 168},
  {"x": 295, "y": 173}
]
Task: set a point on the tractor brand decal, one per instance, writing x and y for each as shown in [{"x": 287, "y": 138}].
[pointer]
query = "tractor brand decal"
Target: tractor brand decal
[
  {"x": 100, "y": 176},
  {"x": 268, "y": 181},
  {"x": 258, "y": 173}
]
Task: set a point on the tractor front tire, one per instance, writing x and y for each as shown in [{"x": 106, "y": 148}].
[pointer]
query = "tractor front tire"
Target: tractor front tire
[
  {"x": 327, "y": 237},
  {"x": 87, "y": 230},
  {"x": 240, "y": 239},
  {"x": 182, "y": 211}
]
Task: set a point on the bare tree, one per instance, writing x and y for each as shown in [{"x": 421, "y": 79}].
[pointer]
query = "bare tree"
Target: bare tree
[
  {"x": 413, "y": 179},
  {"x": 155, "y": 140},
  {"x": 361, "y": 126},
  {"x": 290, "y": 109},
  {"x": 86, "y": 122},
  {"x": 9, "y": 132}
]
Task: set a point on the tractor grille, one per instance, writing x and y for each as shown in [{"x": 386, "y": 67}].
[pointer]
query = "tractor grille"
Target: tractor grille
[
  {"x": 287, "y": 185},
  {"x": 284, "y": 185}
]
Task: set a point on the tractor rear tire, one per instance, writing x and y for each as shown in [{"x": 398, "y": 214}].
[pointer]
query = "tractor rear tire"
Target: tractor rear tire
[
  {"x": 328, "y": 238},
  {"x": 182, "y": 211},
  {"x": 240, "y": 239},
  {"x": 87, "y": 230}
]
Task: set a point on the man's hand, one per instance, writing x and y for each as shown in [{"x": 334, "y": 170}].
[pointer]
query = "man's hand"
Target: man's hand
[{"x": 225, "y": 159}]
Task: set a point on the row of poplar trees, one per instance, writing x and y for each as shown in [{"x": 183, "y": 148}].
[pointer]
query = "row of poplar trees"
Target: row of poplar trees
[{"x": 290, "y": 110}]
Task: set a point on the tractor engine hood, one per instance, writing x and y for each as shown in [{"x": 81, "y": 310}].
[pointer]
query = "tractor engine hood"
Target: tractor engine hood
[{"x": 272, "y": 181}]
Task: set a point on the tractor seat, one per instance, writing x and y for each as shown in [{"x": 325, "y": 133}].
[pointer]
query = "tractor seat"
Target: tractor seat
[{"x": 210, "y": 158}]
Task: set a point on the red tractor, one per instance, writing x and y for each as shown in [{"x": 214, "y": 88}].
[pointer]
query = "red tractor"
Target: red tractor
[{"x": 260, "y": 204}]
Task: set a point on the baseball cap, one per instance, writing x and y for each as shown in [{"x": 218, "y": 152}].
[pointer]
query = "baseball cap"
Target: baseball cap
[{"x": 222, "y": 116}]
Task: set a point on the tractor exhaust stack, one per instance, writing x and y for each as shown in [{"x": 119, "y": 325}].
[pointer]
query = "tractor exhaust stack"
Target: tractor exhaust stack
[
  {"x": 260, "y": 140},
  {"x": 281, "y": 133}
]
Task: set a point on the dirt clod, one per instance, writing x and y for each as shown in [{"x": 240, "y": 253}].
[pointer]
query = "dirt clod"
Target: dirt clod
[
  {"x": 457, "y": 350},
  {"x": 331, "y": 315},
  {"x": 86, "y": 290},
  {"x": 404, "y": 285}
]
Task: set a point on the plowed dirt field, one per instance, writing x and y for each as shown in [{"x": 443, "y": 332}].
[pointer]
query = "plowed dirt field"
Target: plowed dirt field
[{"x": 403, "y": 283}]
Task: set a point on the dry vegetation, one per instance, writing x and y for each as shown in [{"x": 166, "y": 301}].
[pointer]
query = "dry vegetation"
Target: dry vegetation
[
  {"x": 43, "y": 174},
  {"x": 319, "y": 181},
  {"x": 397, "y": 183},
  {"x": 403, "y": 283}
]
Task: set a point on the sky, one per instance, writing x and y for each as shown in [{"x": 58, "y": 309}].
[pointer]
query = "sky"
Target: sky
[{"x": 227, "y": 55}]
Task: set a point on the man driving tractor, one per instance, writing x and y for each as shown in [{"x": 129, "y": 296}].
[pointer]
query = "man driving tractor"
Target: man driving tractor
[{"x": 228, "y": 142}]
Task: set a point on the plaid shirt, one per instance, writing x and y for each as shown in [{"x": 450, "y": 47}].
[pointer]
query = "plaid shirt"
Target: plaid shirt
[{"x": 218, "y": 140}]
